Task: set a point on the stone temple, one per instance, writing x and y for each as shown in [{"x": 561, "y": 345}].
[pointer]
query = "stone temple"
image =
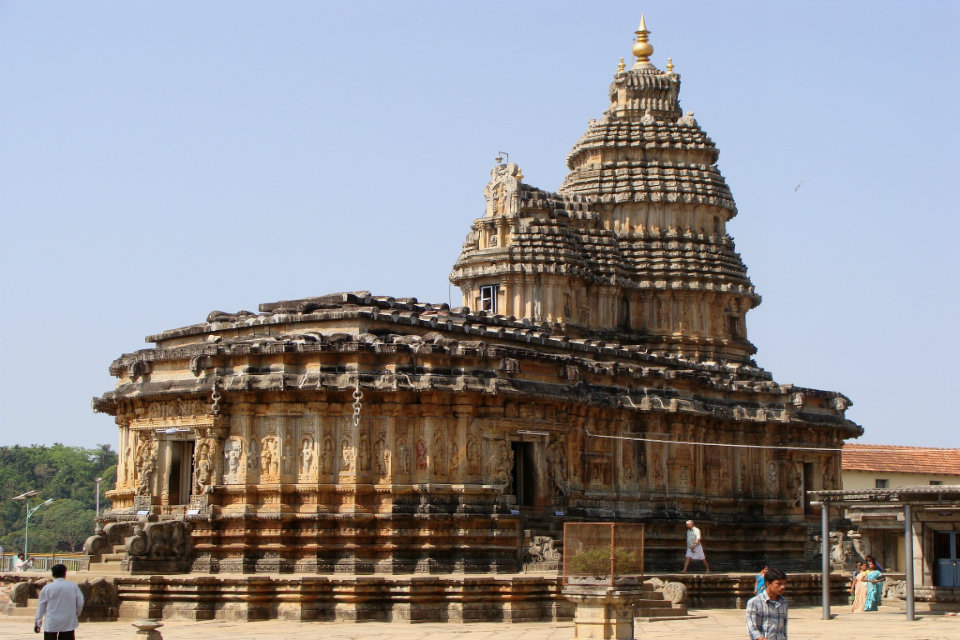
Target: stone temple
[{"x": 598, "y": 370}]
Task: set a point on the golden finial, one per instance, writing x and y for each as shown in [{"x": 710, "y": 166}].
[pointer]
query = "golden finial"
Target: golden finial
[
  {"x": 669, "y": 65},
  {"x": 621, "y": 66},
  {"x": 519, "y": 174},
  {"x": 642, "y": 49}
]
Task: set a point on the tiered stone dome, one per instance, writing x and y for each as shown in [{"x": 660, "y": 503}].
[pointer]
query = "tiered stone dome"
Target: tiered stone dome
[{"x": 633, "y": 243}]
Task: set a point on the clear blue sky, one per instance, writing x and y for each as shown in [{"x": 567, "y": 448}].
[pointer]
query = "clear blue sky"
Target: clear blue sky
[{"x": 162, "y": 159}]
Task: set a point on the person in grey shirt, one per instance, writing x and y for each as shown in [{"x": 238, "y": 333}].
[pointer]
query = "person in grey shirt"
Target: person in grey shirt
[
  {"x": 767, "y": 611},
  {"x": 59, "y": 608}
]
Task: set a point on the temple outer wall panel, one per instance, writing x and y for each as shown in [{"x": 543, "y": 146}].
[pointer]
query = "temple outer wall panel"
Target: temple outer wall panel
[{"x": 427, "y": 482}]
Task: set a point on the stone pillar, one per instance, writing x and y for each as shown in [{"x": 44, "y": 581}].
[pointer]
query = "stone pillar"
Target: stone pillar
[{"x": 603, "y": 611}]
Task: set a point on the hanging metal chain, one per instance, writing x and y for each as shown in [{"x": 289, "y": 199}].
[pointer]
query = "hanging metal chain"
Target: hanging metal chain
[
  {"x": 215, "y": 397},
  {"x": 357, "y": 404}
]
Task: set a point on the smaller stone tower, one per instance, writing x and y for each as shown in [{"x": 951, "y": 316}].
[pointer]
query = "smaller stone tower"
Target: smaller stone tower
[{"x": 633, "y": 246}]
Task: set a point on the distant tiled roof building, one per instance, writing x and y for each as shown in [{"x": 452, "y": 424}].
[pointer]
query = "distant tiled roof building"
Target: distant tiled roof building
[{"x": 879, "y": 466}]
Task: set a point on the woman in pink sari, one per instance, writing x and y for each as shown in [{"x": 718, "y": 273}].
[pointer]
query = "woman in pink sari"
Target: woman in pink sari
[{"x": 859, "y": 589}]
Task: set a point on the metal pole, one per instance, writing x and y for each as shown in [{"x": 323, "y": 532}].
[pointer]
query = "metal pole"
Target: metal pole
[
  {"x": 26, "y": 534},
  {"x": 825, "y": 555},
  {"x": 908, "y": 552},
  {"x": 98, "y": 497}
]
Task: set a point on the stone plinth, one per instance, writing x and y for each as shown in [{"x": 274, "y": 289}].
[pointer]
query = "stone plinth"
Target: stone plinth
[{"x": 603, "y": 612}]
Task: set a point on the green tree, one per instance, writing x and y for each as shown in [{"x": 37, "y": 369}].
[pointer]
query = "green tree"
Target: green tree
[{"x": 67, "y": 474}]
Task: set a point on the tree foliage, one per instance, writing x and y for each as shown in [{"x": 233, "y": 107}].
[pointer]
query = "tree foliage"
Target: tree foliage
[{"x": 66, "y": 474}]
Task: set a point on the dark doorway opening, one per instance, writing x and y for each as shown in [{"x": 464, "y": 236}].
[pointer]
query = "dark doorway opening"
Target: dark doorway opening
[
  {"x": 946, "y": 558},
  {"x": 180, "y": 480},
  {"x": 524, "y": 474}
]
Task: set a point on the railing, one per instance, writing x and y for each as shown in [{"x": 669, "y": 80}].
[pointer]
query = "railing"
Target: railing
[{"x": 43, "y": 561}]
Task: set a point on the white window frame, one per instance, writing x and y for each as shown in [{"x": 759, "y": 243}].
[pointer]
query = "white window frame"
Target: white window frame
[{"x": 488, "y": 297}]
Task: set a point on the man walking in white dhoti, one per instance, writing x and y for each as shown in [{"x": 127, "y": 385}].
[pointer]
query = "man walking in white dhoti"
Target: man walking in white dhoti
[{"x": 694, "y": 547}]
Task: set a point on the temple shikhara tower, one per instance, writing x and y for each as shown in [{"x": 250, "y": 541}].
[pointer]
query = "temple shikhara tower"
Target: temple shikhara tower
[{"x": 598, "y": 370}]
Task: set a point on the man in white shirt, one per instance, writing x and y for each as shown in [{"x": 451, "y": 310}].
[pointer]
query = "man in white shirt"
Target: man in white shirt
[
  {"x": 59, "y": 608},
  {"x": 694, "y": 548}
]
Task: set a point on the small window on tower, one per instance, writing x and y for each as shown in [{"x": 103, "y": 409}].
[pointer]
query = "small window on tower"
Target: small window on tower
[{"x": 488, "y": 297}]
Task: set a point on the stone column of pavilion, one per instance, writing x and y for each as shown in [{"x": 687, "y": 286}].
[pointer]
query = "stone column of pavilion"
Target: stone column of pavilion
[{"x": 633, "y": 244}]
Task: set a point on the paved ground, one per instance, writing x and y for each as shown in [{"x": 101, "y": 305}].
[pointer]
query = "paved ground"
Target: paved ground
[{"x": 719, "y": 624}]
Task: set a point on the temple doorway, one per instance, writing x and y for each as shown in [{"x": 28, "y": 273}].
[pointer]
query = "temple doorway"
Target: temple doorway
[
  {"x": 524, "y": 474},
  {"x": 180, "y": 475},
  {"x": 946, "y": 558}
]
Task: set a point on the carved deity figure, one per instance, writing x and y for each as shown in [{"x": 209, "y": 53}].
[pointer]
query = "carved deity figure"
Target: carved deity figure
[
  {"x": 403, "y": 453},
  {"x": 421, "y": 455},
  {"x": 473, "y": 455},
  {"x": 772, "y": 476},
  {"x": 500, "y": 463},
  {"x": 364, "y": 454},
  {"x": 232, "y": 451},
  {"x": 203, "y": 472},
  {"x": 270, "y": 457},
  {"x": 454, "y": 457},
  {"x": 436, "y": 454},
  {"x": 348, "y": 455},
  {"x": 253, "y": 455},
  {"x": 381, "y": 454},
  {"x": 326, "y": 455},
  {"x": 146, "y": 465},
  {"x": 288, "y": 459},
  {"x": 306, "y": 455},
  {"x": 557, "y": 465}
]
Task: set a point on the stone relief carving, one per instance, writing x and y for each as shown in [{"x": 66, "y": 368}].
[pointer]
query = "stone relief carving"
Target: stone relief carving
[
  {"x": 146, "y": 464},
  {"x": 232, "y": 452},
  {"x": 348, "y": 455},
  {"x": 306, "y": 456},
  {"x": 326, "y": 455},
  {"x": 203, "y": 469},
  {"x": 403, "y": 455},
  {"x": 500, "y": 463},
  {"x": 772, "y": 476},
  {"x": 288, "y": 458},
  {"x": 363, "y": 461},
  {"x": 421, "y": 455},
  {"x": 437, "y": 453},
  {"x": 381, "y": 454},
  {"x": 454, "y": 457},
  {"x": 473, "y": 455},
  {"x": 557, "y": 465},
  {"x": 253, "y": 455},
  {"x": 270, "y": 457}
]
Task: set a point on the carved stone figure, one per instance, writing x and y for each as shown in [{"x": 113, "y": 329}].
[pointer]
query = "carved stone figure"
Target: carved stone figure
[
  {"x": 232, "y": 451},
  {"x": 253, "y": 455},
  {"x": 203, "y": 469},
  {"x": 421, "y": 455},
  {"x": 403, "y": 456},
  {"x": 772, "y": 476},
  {"x": 306, "y": 455},
  {"x": 326, "y": 455},
  {"x": 500, "y": 463},
  {"x": 364, "y": 454},
  {"x": 557, "y": 464},
  {"x": 348, "y": 455},
  {"x": 381, "y": 454},
  {"x": 473, "y": 455},
  {"x": 437, "y": 457}
]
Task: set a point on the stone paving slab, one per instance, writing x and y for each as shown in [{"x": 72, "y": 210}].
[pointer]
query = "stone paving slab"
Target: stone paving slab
[{"x": 719, "y": 624}]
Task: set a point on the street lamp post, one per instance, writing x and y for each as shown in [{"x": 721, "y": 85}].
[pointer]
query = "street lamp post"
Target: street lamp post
[
  {"x": 98, "y": 481},
  {"x": 30, "y": 511}
]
